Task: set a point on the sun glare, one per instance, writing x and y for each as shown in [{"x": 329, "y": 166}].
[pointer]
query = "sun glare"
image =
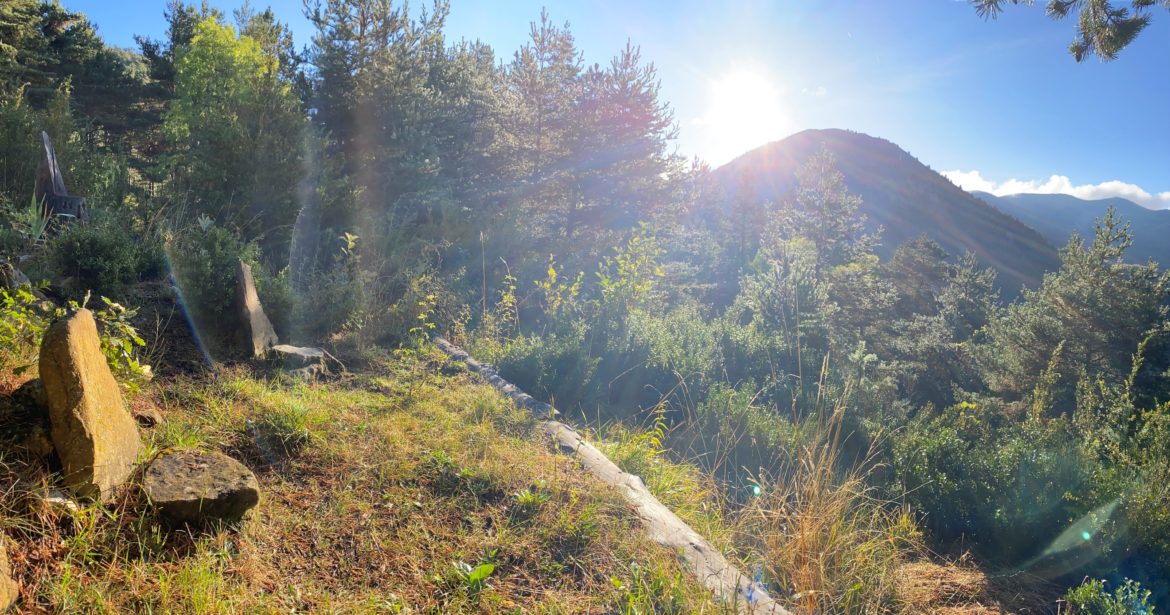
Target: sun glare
[{"x": 744, "y": 110}]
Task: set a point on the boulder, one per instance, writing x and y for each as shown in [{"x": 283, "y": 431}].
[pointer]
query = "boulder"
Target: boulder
[
  {"x": 95, "y": 436},
  {"x": 9, "y": 588},
  {"x": 259, "y": 335},
  {"x": 196, "y": 487}
]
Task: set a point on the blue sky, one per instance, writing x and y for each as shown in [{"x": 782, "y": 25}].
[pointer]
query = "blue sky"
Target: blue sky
[{"x": 999, "y": 106}]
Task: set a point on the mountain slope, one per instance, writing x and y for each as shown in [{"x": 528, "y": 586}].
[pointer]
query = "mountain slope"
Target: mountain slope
[
  {"x": 901, "y": 194},
  {"x": 1058, "y": 216}
]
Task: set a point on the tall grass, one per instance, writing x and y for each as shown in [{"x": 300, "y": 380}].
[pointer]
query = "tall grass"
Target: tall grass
[{"x": 822, "y": 538}]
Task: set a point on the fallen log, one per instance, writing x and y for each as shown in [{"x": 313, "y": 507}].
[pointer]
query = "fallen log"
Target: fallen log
[{"x": 661, "y": 524}]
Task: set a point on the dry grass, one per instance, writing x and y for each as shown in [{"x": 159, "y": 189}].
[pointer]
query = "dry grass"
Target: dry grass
[
  {"x": 380, "y": 494},
  {"x": 950, "y": 588},
  {"x": 823, "y": 539}
]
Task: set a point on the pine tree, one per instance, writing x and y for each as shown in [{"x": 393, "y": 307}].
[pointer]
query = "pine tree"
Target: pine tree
[{"x": 1103, "y": 29}]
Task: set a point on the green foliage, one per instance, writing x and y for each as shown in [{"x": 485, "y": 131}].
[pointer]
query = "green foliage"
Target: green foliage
[
  {"x": 529, "y": 501},
  {"x": 972, "y": 472},
  {"x": 120, "y": 342},
  {"x": 1103, "y": 29},
  {"x": 104, "y": 257},
  {"x": 1097, "y": 308},
  {"x": 473, "y": 580},
  {"x": 1092, "y": 598},
  {"x": 204, "y": 262},
  {"x": 237, "y": 130},
  {"x": 557, "y": 367},
  {"x": 23, "y": 320}
]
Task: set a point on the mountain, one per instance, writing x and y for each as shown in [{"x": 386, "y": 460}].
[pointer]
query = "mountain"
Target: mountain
[
  {"x": 901, "y": 194},
  {"x": 1058, "y": 216}
]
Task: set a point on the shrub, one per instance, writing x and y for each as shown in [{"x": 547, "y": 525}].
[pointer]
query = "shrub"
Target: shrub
[
  {"x": 999, "y": 485},
  {"x": 23, "y": 320},
  {"x": 330, "y": 300},
  {"x": 276, "y": 295},
  {"x": 204, "y": 261},
  {"x": 103, "y": 256},
  {"x": 555, "y": 367},
  {"x": 1091, "y": 598}
]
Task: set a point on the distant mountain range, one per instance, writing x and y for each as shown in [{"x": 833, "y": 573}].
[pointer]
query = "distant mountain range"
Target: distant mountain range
[
  {"x": 1058, "y": 216},
  {"x": 901, "y": 194}
]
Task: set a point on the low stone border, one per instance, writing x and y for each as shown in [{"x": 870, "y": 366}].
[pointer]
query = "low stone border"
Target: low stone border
[{"x": 661, "y": 524}]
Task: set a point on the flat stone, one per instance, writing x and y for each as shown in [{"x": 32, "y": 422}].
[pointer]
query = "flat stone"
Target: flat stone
[
  {"x": 95, "y": 436},
  {"x": 297, "y": 356},
  {"x": 196, "y": 487},
  {"x": 53, "y": 502},
  {"x": 9, "y": 588},
  {"x": 259, "y": 335}
]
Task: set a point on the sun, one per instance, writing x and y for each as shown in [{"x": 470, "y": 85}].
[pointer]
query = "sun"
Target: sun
[{"x": 744, "y": 111}]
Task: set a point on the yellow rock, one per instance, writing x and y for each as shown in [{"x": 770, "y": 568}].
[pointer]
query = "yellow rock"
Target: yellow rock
[
  {"x": 95, "y": 437},
  {"x": 9, "y": 590}
]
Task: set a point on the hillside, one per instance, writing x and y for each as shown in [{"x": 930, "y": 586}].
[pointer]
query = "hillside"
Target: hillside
[
  {"x": 902, "y": 195},
  {"x": 1058, "y": 216},
  {"x": 382, "y": 492}
]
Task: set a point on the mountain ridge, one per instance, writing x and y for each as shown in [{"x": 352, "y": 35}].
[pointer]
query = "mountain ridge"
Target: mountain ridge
[
  {"x": 1058, "y": 216},
  {"x": 902, "y": 195}
]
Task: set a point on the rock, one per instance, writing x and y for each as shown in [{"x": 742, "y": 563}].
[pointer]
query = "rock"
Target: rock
[
  {"x": 296, "y": 356},
  {"x": 259, "y": 335},
  {"x": 307, "y": 363},
  {"x": 9, "y": 588},
  {"x": 147, "y": 416},
  {"x": 11, "y": 277},
  {"x": 53, "y": 502},
  {"x": 94, "y": 435},
  {"x": 196, "y": 487},
  {"x": 310, "y": 373}
]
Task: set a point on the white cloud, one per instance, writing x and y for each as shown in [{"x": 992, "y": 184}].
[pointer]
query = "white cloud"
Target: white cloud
[
  {"x": 1060, "y": 184},
  {"x": 817, "y": 92}
]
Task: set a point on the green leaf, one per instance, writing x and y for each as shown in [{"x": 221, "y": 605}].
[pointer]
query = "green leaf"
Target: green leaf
[{"x": 480, "y": 573}]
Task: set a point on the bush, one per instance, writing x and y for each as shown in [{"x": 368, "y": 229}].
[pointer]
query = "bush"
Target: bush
[
  {"x": 103, "y": 257},
  {"x": 557, "y": 367},
  {"x": 330, "y": 300},
  {"x": 276, "y": 295},
  {"x": 23, "y": 320},
  {"x": 1090, "y": 598},
  {"x": 1001, "y": 486},
  {"x": 204, "y": 261}
]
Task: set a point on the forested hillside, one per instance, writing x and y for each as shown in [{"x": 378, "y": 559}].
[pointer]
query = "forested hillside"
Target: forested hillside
[
  {"x": 858, "y": 370},
  {"x": 1060, "y": 215}
]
